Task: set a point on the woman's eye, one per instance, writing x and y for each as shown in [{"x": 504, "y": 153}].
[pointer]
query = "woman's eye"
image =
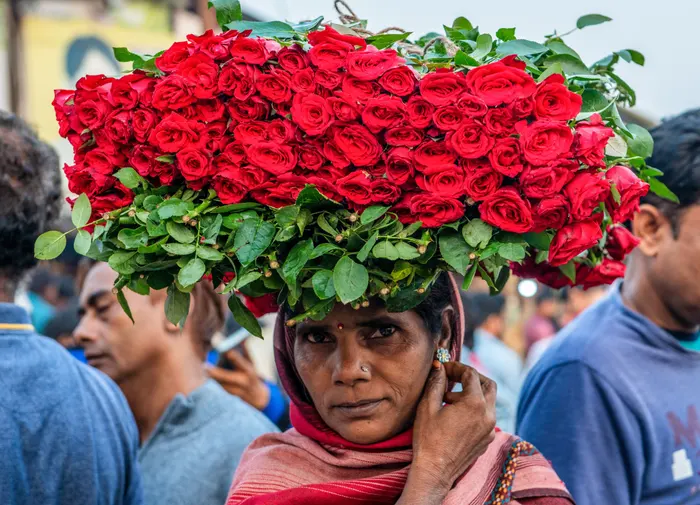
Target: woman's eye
[
  {"x": 317, "y": 338},
  {"x": 385, "y": 331}
]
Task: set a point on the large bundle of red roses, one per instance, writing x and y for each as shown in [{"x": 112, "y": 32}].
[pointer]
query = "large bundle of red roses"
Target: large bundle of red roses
[{"x": 257, "y": 121}]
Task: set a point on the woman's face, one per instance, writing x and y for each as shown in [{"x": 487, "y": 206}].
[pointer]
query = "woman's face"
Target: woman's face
[{"x": 365, "y": 369}]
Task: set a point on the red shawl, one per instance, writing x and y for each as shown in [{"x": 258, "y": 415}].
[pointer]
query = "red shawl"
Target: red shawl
[{"x": 312, "y": 465}]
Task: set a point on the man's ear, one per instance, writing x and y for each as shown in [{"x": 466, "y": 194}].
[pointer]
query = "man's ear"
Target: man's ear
[
  {"x": 652, "y": 228},
  {"x": 447, "y": 329}
]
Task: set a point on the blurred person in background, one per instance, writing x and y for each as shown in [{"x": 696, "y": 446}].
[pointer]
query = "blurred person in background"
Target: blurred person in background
[
  {"x": 502, "y": 364},
  {"x": 578, "y": 300},
  {"x": 192, "y": 432},
  {"x": 614, "y": 402},
  {"x": 542, "y": 326},
  {"x": 68, "y": 436}
]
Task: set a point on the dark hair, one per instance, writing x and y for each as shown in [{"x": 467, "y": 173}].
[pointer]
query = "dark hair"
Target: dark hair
[
  {"x": 483, "y": 305},
  {"x": 677, "y": 155},
  {"x": 41, "y": 278},
  {"x": 430, "y": 310},
  {"x": 30, "y": 191},
  {"x": 80, "y": 47},
  {"x": 62, "y": 323}
]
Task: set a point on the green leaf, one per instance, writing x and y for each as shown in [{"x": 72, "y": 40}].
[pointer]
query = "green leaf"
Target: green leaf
[
  {"x": 234, "y": 221},
  {"x": 405, "y": 299},
  {"x": 174, "y": 208},
  {"x": 179, "y": 249},
  {"x": 133, "y": 238},
  {"x": 501, "y": 279},
  {"x": 226, "y": 11},
  {"x": 296, "y": 260},
  {"x": 159, "y": 280},
  {"x": 192, "y": 272},
  {"x": 325, "y": 225},
  {"x": 367, "y": 248},
  {"x": 180, "y": 232},
  {"x": 209, "y": 253},
  {"x": 593, "y": 101},
  {"x": 234, "y": 207},
  {"x": 521, "y": 47},
  {"x": 323, "y": 249},
  {"x": 123, "y": 55},
  {"x": 570, "y": 64},
  {"x": 287, "y": 215},
  {"x": 211, "y": 227},
  {"x": 569, "y": 270},
  {"x": 372, "y": 213},
  {"x": 558, "y": 47},
  {"x": 125, "y": 305},
  {"x": 82, "y": 242},
  {"x": 308, "y": 26},
  {"x": 462, "y": 23},
  {"x": 591, "y": 20},
  {"x": 120, "y": 262},
  {"x": 387, "y": 39},
  {"x": 310, "y": 196},
  {"x": 483, "y": 46},
  {"x": 652, "y": 172},
  {"x": 402, "y": 269},
  {"x": 539, "y": 241},
  {"x": 252, "y": 239},
  {"x": 506, "y": 34},
  {"x": 477, "y": 233},
  {"x": 129, "y": 177},
  {"x": 642, "y": 144},
  {"x": 303, "y": 220},
  {"x": 139, "y": 285},
  {"x": 634, "y": 56},
  {"x": 455, "y": 251},
  {"x": 407, "y": 252},
  {"x": 322, "y": 283},
  {"x": 385, "y": 249},
  {"x": 512, "y": 252},
  {"x": 286, "y": 233},
  {"x": 469, "y": 277},
  {"x": 151, "y": 202},
  {"x": 455, "y": 34},
  {"x": 246, "y": 279},
  {"x": 410, "y": 229},
  {"x": 350, "y": 279},
  {"x": 266, "y": 29},
  {"x": 660, "y": 189},
  {"x": 462, "y": 59},
  {"x": 541, "y": 256},
  {"x": 177, "y": 306},
  {"x": 554, "y": 68},
  {"x": 615, "y": 193},
  {"x": 81, "y": 211},
  {"x": 244, "y": 316}
]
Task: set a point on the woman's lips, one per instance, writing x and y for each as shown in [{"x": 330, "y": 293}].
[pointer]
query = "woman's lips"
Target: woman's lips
[{"x": 362, "y": 408}]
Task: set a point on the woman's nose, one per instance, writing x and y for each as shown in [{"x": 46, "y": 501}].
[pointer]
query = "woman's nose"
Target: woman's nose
[{"x": 349, "y": 366}]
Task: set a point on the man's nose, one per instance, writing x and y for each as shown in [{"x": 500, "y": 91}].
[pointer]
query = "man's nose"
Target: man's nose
[{"x": 85, "y": 332}]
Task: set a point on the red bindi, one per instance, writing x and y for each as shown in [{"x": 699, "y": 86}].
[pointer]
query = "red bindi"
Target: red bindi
[{"x": 340, "y": 326}]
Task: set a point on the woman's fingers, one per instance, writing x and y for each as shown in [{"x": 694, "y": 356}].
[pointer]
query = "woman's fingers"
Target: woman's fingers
[{"x": 434, "y": 390}]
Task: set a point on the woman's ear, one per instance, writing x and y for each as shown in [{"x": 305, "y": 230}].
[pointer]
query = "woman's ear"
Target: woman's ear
[{"x": 447, "y": 328}]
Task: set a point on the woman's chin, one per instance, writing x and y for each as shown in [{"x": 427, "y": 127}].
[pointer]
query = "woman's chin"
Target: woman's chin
[{"x": 365, "y": 432}]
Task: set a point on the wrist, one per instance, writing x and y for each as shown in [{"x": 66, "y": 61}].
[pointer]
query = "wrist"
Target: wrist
[{"x": 424, "y": 486}]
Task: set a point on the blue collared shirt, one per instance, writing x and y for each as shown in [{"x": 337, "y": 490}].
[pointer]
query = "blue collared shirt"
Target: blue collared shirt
[{"x": 67, "y": 435}]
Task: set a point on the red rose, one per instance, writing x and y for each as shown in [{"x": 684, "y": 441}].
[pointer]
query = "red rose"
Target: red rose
[
  {"x": 253, "y": 108},
  {"x": 330, "y": 55},
  {"x": 275, "y": 86},
  {"x": 544, "y": 141},
  {"x": 620, "y": 242},
  {"x": 573, "y": 239},
  {"x": 605, "y": 273},
  {"x": 122, "y": 94},
  {"x": 82, "y": 180},
  {"x": 61, "y": 97},
  {"x": 630, "y": 188},
  {"x": 472, "y": 106},
  {"x": 213, "y": 136},
  {"x": 274, "y": 158},
  {"x": 522, "y": 109},
  {"x": 173, "y": 93},
  {"x": 194, "y": 165},
  {"x": 94, "y": 83},
  {"x": 229, "y": 187},
  {"x": 359, "y": 90},
  {"x": 434, "y": 210},
  {"x": 404, "y": 136},
  {"x": 507, "y": 210},
  {"x": 252, "y": 51},
  {"x": 328, "y": 79},
  {"x": 117, "y": 198},
  {"x": 442, "y": 87},
  {"x": 384, "y": 192},
  {"x": 251, "y": 132},
  {"x": 505, "y": 157},
  {"x": 202, "y": 73},
  {"x": 335, "y": 155},
  {"x": 471, "y": 140},
  {"x": 312, "y": 113},
  {"x": 420, "y": 112},
  {"x": 100, "y": 162},
  {"x": 143, "y": 122},
  {"x": 585, "y": 192},
  {"x": 481, "y": 180},
  {"x": 281, "y": 130},
  {"x": 591, "y": 138},
  {"x": 445, "y": 180},
  {"x": 261, "y": 305},
  {"x": 551, "y": 213},
  {"x": 546, "y": 274},
  {"x": 501, "y": 82},
  {"x": 214, "y": 46},
  {"x": 172, "y": 57},
  {"x": 303, "y": 81},
  {"x": 342, "y": 109},
  {"x": 310, "y": 157},
  {"x": 500, "y": 122},
  {"x": 399, "y": 81},
  {"x": 237, "y": 80},
  {"x": 448, "y": 118},
  {"x": 541, "y": 182},
  {"x": 356, "y": 188},
  {"x": 118, "y": 126},
  {"x": 358, "y": 145},
  {"x": 236, "y": 151},
  {"x": 330, "y": 34},
  {"x": 174, "y": 133},
  {"x": 383, "y": 112},
  {"x": 210, "y": 110},
  {"x": 292, "y": 59},
  {"x": 91, "y": 114},
  {"x": 142, "y": 159},
  {"x": 368, "y": 65},
  {"x": 553, "y": 100},
  {"x": 399, "y": 166},
  {"x": 433, "y": 153}
]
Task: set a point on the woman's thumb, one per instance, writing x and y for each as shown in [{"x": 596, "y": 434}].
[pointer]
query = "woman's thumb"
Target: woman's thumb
[{"x": 435, "y": 388}]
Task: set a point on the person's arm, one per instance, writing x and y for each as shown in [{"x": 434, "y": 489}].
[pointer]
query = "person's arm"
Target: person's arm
[{"x": 580, "y": 424}]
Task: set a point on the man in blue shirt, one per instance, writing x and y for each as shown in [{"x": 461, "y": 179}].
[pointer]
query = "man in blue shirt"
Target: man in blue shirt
[
  {"x": 66, "y": 434},
  {"x": 614, "y": 403}
]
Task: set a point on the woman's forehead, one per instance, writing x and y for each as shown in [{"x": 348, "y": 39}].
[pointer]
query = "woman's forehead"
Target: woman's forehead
[{"x": 374, "y": 315}]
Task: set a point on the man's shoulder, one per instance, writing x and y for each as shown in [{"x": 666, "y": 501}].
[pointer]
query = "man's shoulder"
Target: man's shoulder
[{"x": 235, "y": 414}]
